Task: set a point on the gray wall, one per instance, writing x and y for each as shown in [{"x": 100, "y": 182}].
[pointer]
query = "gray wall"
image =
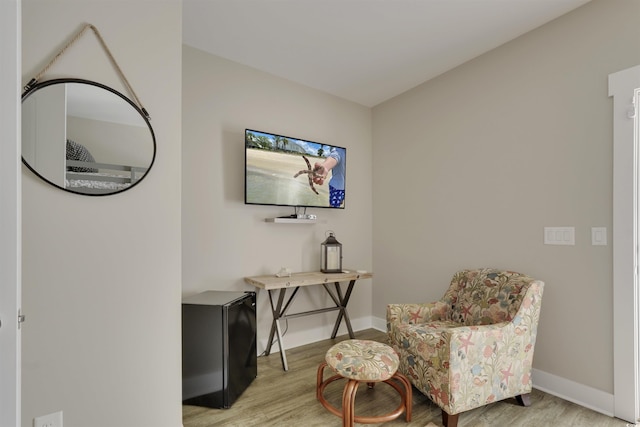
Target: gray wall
[
  {"x": 479, "y": 160},
  {"x": 224, "y": 240},
  {"x": 101, "y": 275}
]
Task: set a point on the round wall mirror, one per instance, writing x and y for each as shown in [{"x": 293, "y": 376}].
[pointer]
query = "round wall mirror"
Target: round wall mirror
[{"x": 85, "y": 137}]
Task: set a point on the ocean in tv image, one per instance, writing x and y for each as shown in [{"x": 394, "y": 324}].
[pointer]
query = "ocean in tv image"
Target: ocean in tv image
[{"x": 277, "y": 172}]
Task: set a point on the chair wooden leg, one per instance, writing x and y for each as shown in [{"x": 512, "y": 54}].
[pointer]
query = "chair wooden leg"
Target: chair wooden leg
[
  {"x": 524, "y": 399},
  {"x": 449, "y": 420}
]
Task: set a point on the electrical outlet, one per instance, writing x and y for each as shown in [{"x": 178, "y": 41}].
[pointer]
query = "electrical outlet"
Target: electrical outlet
[{"x": 50, "y": 420}]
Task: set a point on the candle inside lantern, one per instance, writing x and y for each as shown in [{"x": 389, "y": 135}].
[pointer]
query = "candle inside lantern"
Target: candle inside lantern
[{"x": 333, "y": 258}]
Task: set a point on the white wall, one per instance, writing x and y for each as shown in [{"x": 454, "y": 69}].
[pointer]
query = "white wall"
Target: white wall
[
  {"x": 101, "y": 275},
  {"x": 491, "y": 152},
  {"x": 223, "y": 239}
]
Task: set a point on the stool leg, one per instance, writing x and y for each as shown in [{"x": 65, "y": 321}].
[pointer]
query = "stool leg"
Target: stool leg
[
  {"x": 407, "y": 395},
  {"x": 348, "y": 403},
  {"x": 320, "y": 378}
]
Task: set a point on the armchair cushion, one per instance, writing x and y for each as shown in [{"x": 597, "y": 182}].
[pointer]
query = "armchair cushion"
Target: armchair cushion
[{"x": 475, "y": 345}]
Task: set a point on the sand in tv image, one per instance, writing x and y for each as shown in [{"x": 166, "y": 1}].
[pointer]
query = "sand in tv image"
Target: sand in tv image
[{"x": 286, "y": 171}]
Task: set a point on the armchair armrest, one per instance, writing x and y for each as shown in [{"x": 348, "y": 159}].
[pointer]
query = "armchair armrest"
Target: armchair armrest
[
  {"x": 463, "y": 334},
  {"x": 418, "y": 313},
  {"x": 486, "y": 338}
]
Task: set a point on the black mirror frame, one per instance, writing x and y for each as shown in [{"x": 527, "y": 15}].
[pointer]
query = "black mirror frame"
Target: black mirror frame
[{"x": 30, "y": 89}]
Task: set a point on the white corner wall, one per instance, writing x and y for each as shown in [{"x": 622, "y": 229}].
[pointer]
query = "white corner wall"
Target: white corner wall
[
  {"x": 223, "y": 239},
  {"x": 492, "y": 152},
  {"x": 102, "y": 275},
  {"x": 623, "y": 86}
]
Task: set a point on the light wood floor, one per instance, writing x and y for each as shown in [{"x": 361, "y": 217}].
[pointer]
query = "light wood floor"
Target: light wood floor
[{"x": 287, "y": 399}]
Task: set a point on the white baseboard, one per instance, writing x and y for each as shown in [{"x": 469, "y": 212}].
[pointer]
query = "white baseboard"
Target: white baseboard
[
  {"x": 379, "y": 324},
  {"x": 580, "y": 394}
]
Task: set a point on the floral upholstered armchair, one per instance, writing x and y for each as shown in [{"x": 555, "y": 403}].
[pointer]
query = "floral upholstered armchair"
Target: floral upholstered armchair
[{"x": 475, "y": 345}]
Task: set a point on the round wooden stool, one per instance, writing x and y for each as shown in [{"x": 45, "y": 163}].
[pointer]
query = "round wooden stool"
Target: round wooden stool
[{"x": 363, "y": 361}]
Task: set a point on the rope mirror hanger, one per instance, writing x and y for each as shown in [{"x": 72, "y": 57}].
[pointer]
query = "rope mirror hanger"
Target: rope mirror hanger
[{"x": 75, "y": 38}]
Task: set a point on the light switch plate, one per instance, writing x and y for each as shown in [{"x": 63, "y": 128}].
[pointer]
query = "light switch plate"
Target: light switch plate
[
  {"x": 599, "y": 236},
  {"x": 559, "y": 236},
  {"x": 50, "y": 420}
]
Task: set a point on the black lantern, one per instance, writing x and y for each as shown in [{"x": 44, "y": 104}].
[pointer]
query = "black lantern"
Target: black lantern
[{"x": 331, "y": 255}]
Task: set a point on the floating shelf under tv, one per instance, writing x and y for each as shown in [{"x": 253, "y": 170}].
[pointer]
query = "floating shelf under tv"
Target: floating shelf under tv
[{"x": 291, "y": 220}]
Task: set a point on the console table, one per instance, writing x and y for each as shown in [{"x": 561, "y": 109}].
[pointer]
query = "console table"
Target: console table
[{"x": 277, "y": 288}]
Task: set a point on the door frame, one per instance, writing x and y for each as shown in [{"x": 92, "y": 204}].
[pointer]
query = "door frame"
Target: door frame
[
  {"x": 626, "y": 211},
  {"x": 10, "y": 212}
]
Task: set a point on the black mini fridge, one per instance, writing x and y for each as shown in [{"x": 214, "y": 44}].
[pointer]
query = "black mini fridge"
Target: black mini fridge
[{"x": 219, "y": 358}]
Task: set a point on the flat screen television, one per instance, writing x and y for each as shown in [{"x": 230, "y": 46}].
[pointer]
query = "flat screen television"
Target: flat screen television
[{"x": 285, "y": 171}]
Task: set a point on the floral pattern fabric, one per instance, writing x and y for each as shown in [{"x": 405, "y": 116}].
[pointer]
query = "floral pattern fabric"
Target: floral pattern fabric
[
  {"x": 363, "y": 360},
  {"x": 474, "y": 346}
]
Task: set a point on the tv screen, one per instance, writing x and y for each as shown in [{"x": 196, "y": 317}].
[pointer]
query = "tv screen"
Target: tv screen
[{"x": 285, "y": 171}]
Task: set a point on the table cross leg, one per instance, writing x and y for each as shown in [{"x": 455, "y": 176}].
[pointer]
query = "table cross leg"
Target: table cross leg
[
  {"x": 341, "y": 302},
  {"x": 281, "y": 303},
  {"x": 275, "y": 326}
]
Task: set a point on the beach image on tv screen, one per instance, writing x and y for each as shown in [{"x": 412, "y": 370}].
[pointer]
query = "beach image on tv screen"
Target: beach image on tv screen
[{"x": 280, "y": 171}]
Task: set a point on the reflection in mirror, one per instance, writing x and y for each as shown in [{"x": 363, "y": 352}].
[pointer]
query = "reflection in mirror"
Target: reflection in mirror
[{"x": 85, "y": 137}]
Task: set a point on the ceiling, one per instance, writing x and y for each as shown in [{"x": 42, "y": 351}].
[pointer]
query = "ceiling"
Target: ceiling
[{"x": 366, "y": 51}]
